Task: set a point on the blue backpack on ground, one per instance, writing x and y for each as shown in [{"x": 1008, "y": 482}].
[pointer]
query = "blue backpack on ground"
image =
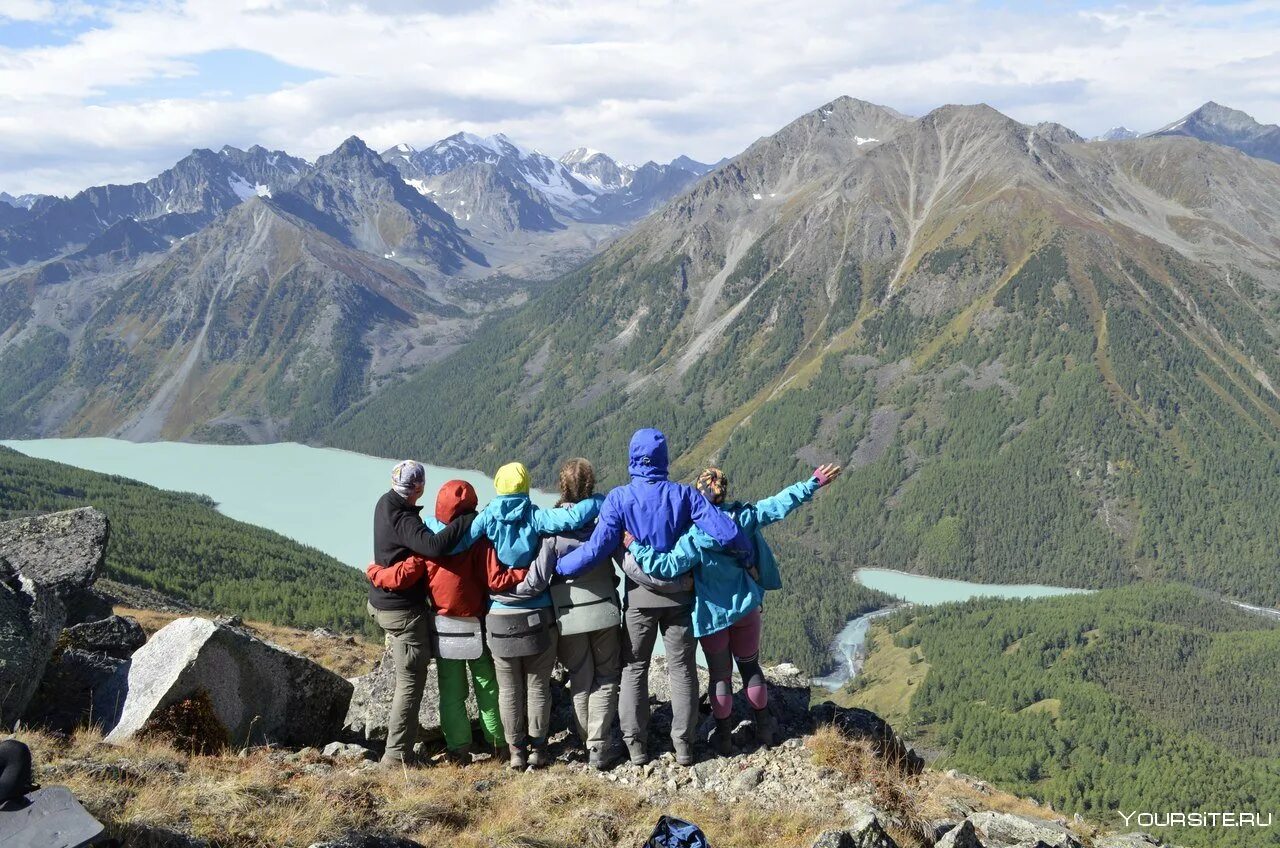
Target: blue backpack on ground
[{"x": 676, "y": 833}]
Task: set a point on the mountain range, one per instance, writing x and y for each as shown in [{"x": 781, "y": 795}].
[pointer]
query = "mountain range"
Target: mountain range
[
  {"x": 250, "y": 295},
  {"x": 1048, "y": 360}
]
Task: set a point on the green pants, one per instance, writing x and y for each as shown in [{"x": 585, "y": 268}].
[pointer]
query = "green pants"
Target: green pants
[{"x": 453, "y": 700}]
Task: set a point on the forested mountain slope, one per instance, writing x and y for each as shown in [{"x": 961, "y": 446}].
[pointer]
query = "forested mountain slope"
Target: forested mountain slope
[
  {"x": 1048, "y": 361},
  {"x": 181, "y": 546},
  {"x": 1151, "y": 699}
]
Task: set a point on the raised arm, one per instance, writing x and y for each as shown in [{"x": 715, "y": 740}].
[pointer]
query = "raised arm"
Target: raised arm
[
  {"x": 679, "y": 560},
  {"x": 550, "y": 522},
  {"x": 603, "y": 542},
  {"x": 779, "y": 506},
  {"x": 541, "y": 570},
  {"x": 415, "y": 536}
]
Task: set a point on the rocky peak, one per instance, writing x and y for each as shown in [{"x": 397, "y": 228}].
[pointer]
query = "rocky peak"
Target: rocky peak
[
  {"x": 1121, "y": 133},
  {"x": 1220, "y": 124}
]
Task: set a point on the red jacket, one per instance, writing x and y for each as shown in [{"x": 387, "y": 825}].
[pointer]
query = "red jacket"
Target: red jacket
[{"x": 459, "y": 584}]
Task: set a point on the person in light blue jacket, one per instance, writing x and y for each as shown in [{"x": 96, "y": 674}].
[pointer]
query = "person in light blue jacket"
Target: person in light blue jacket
[{"x": 728, "y": 596}]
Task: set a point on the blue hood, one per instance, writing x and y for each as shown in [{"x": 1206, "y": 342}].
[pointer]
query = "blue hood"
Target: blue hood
[{"x": 648, "y": 455}]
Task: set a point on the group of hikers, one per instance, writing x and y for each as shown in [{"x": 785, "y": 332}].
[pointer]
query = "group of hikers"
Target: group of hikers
[{"x": 502, "y": 593}]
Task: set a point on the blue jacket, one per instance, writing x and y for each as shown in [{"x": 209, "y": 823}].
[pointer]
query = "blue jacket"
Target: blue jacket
[
  {"x": 725, "y": 591},
  {"x": 654, "y": 509}
]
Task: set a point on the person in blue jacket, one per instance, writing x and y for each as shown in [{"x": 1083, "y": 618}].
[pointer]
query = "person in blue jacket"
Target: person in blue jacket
[
  {"x": 655, "y": 511},
  {"x": 727, "y": 597}
]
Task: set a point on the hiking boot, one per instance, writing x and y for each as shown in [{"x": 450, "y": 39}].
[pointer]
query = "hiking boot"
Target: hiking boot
[
  {"x": 390, "y": 762},
  {"x": 722, "y": 737},
  {"x": 600, "y": 757},
  {"x": 519, "y": 760},
  {"x": 538, "y": 756},
  {"x": 765, "y": 728},
  {"x": 684, "y": 753},
  {"x": 637, "y": 752},
  {"x": 460, "y": 756}
]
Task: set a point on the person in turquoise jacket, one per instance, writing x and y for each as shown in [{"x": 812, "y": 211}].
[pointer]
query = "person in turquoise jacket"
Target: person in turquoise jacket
[
  {"x": 516, "y": 526},
  {"x": 728, "y": 596}
]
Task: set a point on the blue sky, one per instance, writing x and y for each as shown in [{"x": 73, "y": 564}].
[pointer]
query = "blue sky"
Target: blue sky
[{"x": 117, "y": 90}]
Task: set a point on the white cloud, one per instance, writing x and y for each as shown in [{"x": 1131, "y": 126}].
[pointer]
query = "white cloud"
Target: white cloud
[{"x": 638, "y": 78}]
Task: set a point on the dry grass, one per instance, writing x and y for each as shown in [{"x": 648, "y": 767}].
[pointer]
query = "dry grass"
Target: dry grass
[
  {"x": 892, "y": 789},
  {"x": 347, "y": 655},
  {"x": 282, "y": 800}
]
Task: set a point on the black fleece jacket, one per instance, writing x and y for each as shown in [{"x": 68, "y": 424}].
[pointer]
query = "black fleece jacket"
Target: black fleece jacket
[{"x": 398, "y": 533}]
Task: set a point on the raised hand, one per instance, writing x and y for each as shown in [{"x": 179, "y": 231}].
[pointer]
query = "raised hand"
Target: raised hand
[{"x": 825, "y": 474}]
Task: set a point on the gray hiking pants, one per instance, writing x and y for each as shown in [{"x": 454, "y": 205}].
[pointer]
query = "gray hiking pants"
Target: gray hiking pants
[
  {"x": 640, "y": 633},
  {"x": 524, "y": 694},
  {"x": 594, "y": 663},
  {"x": 410, "y": 645}
]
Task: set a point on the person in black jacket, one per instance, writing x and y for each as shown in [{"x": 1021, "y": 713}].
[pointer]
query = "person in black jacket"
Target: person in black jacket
[{"x": 398, "y": 535}]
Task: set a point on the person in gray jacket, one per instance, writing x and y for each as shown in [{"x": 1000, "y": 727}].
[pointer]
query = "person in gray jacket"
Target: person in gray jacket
[
  {"x": 589, "y": 615},
  {"x": 658, "y": 606}
]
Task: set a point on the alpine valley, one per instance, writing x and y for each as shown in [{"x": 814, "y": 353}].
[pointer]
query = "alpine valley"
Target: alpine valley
[{"x": 1045, "y": 360}]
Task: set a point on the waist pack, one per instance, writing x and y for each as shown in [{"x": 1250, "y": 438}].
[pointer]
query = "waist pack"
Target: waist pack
[
  {"x": 457, "y": 637},
  {"x": 583, "y": 609},
  {"x": 519, "y": 633}
]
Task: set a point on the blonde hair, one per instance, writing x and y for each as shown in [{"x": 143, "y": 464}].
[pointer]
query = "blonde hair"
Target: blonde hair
[{"x": 577, "y": 480}]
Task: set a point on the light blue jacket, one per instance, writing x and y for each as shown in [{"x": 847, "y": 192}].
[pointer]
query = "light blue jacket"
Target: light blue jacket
[
  {"x": 724, "y": 590},
  {"x": 516, "y": 527}
]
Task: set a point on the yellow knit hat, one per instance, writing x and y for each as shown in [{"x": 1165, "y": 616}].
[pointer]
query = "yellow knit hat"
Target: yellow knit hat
[{"x": 512, "y": 479}]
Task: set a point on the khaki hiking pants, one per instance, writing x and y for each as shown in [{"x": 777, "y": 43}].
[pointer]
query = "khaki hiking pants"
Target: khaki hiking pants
[
  {"x": 594, "y": 663},
  {"x": 410, "y": 646},
  {"x": 524, "y": 695}
]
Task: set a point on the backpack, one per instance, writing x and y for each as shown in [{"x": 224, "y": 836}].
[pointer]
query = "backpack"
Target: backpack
[{"x": 672, "y": 832}]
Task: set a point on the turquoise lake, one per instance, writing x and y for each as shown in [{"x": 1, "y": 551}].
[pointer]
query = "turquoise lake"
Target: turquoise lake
[
  {"x": 320, "y": 496},
  {"x": 324, "y": 497}
]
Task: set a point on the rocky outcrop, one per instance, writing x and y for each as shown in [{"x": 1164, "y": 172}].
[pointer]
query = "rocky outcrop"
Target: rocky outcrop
[
  {"x": 867, "y": 832},
  {"x": 115, "y": 636},
  {"x": 260, "y": 693},
  {"x": 73, "y": 679},
  {"x": 857, "y": 723},
  {"x": 30, "y": 620},
  {"x": 1128, "y": 840},
  {"x": 1005, "y": 830},
  {"x": 61, "y": 551},
  {"x": 962, "y": 835},
  {"x": 47, "y": 568}
]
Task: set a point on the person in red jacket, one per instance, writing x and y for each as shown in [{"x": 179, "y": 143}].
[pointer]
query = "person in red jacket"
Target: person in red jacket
[{"x": 458, "y": 586}]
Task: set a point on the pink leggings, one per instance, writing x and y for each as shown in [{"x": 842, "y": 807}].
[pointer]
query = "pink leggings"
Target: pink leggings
[{"x": 738, "y": 642}]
